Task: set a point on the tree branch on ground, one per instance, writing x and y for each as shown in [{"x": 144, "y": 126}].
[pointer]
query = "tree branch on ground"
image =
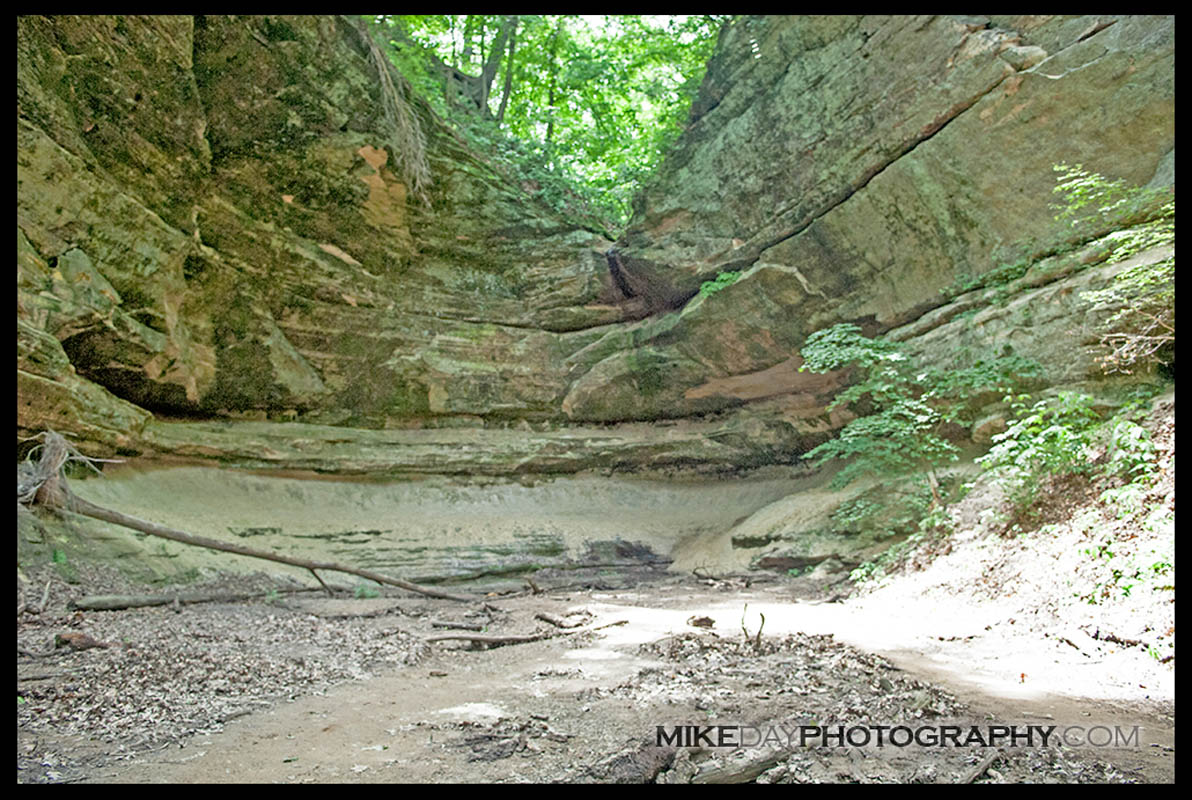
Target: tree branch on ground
[
  {"x": 517, "y": 638},
  {"x": 45, "y": 484}
]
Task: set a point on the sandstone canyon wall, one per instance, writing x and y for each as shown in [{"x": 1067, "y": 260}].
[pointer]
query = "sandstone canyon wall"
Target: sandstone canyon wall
[{"x": 218, "y": 255}]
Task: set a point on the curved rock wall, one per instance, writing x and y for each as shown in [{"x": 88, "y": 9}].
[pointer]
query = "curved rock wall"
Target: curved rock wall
[
  {"x": 854, "y": 167},
  {"x": 211, "y": 223}
]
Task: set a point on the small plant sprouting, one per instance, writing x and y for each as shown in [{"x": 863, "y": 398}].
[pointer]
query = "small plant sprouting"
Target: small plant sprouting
[{"x": 719, "y": 282}]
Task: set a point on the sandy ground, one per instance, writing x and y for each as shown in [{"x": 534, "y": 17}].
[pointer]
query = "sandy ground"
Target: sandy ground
[
  {"x": 1067, "y": 628},
  {"x": 585, "y": 708}
]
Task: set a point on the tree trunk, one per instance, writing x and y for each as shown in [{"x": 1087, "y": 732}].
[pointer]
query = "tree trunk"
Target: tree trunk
[
  {"x": 493, "y": 62},
  {"x": 460, "y": 88},
  {"x": 466, "y": 56},
  {"x": 550, "y": 96},
  {"x": 933, "y": 482},
  {"x": 508, "y": 73}
]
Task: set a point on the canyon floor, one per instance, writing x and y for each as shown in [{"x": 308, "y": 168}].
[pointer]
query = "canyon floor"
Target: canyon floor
[{"x": 303, "y": 688}]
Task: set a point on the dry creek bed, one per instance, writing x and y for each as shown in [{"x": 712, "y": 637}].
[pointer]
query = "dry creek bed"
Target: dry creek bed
[{"x": 302, "y": 688}]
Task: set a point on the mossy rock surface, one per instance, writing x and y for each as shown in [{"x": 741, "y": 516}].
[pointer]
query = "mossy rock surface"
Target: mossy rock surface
[{"x": 189, "y": 248}]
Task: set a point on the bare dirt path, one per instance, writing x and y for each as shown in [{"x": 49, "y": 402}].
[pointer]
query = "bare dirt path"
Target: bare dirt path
[{"x": 563, "y": 709}]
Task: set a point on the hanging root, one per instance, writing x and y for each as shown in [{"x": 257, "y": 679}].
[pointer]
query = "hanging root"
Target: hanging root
[{"x": 407, "y": 139}]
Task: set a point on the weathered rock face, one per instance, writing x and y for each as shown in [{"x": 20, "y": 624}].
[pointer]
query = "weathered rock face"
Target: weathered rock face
[
  {"x": 430, "y": 530},
  {"x": 855, "y": 167},
  {"x": 212, "y": 221},
  {"x": 799, "y": 116},
  {"x": 209, "y": 221}
]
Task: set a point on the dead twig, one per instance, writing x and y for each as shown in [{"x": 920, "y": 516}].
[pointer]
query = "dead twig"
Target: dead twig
[
  {"x": 556, "y": 620},
  {"x": 979, "y": 770},
  {"x": 517, "y": 638},
  {"x": 463, "y": 626},
  {"x": 380, "y": 612},
  {"x": 326, "y": 588},
  {"x": 757, "y": 639},
  {"x": 41, "y": 676},
  {"x": 1109, "y": 636},
  {"x": 1073, "y": 645},
  {"x": 484, "y": 638}
]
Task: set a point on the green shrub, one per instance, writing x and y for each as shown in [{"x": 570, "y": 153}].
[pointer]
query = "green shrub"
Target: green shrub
[
  {"x": 885, "y": 511},
  {"x": 1122, "y": 570},
  {"x": 1129, "y": 220},
  {"x": 719, "y": 282},
  {"x": 1064, "y": 435},
  {"x": 1142, "y": 330},
  {"x": 904, "y": 408},
  {"x": 1052, "y": 437},
  {"x": 1131, "y": 452},
  {"x": 65, "y": 569}
]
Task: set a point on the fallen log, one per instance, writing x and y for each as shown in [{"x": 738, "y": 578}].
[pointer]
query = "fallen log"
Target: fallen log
[
  {"x": 87, "y": 508},
  {"x": 47, "y": 485},
  {"x": 118, "y": 602},
  {"x": 979, "y": 770},
  {"x": 516, "y": 638},
  {"x": 744, "y": 771}
]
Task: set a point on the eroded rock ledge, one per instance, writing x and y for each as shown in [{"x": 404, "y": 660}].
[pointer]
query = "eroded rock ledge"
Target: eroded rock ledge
[{"x": 210, "y": 227}]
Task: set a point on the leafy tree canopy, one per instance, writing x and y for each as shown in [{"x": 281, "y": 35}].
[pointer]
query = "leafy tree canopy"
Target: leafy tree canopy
[{"x": 582, "y": 105}]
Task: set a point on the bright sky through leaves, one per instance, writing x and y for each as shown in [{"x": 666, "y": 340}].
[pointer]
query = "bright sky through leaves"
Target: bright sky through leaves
[{"x": 585, "y": 105}]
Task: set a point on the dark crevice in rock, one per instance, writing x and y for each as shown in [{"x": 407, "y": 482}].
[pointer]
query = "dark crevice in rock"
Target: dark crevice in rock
[
  {"x": 122, "y": 380},
  {"x": 614, "y": 269},
  {"x": 498, "y": 323},
  {"x": 200, "y": 77},
  {"x": 481, "y": 288},
  {"x": 198, "y": 21},
  {"x": 1095, "y": 29}
]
